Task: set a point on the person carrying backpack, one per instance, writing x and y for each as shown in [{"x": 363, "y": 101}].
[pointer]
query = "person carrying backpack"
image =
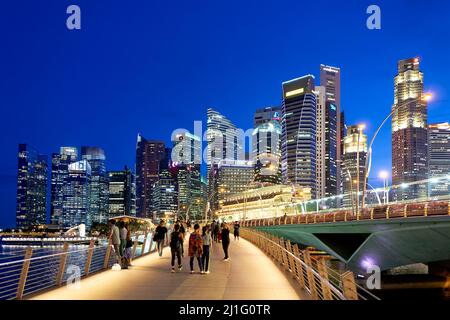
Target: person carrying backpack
[{"x": 176, "y": 242}]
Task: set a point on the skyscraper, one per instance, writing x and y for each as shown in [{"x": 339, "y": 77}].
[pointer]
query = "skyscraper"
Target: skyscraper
[
  {"x": 409, "y": 131},
  {"x": 60, "y": 174},
  {"x": 298, "y": 122},
  {"x": 32, "y": 178},
  {"x": 98, "y": 195},
  {"x": 233, "y": 176},
  {"x": 76, "y": 199},
  {"x": 266, "y": 140},
  {"x": 187, "y": 151},
  {"x": 320, "y": 142},
  {"x": 355, "y": 154},
  {"x": 149, "y": 153},
  {"x": 330, "y": 79},
  {"x": 122, "y": 197},
  {"x": 439, "y": 159},
  {"x": 265, "y": 115},
  {"x": 223, "y": 144}
]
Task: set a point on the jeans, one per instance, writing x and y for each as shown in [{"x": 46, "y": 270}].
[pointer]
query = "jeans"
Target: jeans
[
  {"x": 191, "y": 263},
  {"x": 205, "y": 258},
  {"x": 225, "y": 245},
  {"x": 160, "y": 243},
  {"x": 123, "y": 243},
  {"x": 176, "y": 253}
]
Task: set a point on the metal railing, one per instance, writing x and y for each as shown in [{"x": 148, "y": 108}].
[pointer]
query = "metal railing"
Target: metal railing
[
  {"x": 312, "y": 273},
  {"x": 392, "y": 211},
  {"x": 25, "y": 272}
]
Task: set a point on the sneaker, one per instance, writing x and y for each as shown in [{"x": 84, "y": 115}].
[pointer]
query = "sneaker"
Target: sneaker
[
  {"x": 173, "y": 270},
  {"x": 202, "y": 272},
  {"x": 192, "y": 271},
  {"x": 180, "y": 268},
  {"x": 207, "y": 272},
  {"x": 226, "y": 259}
]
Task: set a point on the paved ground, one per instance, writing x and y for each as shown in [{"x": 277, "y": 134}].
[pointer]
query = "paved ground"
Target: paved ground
[{"x": 249, "y": 274}]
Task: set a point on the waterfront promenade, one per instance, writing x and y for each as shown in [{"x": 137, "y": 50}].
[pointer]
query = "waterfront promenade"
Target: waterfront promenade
[{"x": 249, "y": 274}]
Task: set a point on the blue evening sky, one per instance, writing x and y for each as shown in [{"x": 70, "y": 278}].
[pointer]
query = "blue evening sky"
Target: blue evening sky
[{"x": 153, "y": 66}]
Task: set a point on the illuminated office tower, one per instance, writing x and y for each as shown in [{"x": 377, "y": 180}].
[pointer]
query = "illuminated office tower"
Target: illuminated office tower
[
  {"x": 330, "y": 80},
  {"x": 265, "y": 115},
  {"x": 122, "y": 196},
  {"x": 31, "y": 208},
  {"x": 149, "y": 154},
  {"x": 298, "y": 122},
  {"x": 76, "y": 200},
  {"x": 233, "y": 176},
  {"x": 439, "y": 159},
  {"x": 98, "y": 195},
  {"x": 187, "y": 154},
  {"x": 320, "y": 142},
  {"x": 222, "y": 144},
  {"x": 266, "y": 140},
  {"x": 60, "y": 174},
  {"x": 409, "y": 131},
  {"x": 355, "y": 146}
]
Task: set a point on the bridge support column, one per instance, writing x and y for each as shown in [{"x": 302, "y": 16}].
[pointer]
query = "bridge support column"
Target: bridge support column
[
  {"x": 299, "y": 267},
  {"x": 89, "y": 257},
  {"x": 107, "y": 255}
]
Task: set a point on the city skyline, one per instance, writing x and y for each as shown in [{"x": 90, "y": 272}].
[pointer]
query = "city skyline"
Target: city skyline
[{"x": 236, "y": 104}]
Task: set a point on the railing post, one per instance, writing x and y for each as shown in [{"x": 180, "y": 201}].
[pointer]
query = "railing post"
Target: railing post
[
  {"x": 321, "y": 265},
  {"x": 135, "y": 244},
  {"x": 24, "y": 273},
  {"x": 349, "y": 286},
  {"x": 107, "y": 255},
  {"x": 311, "y": 283},
  {"x": 62, "y": 264},
  {"x": 299, "y": 267},
  {"x": 291, "y": 258},
  {"x": 144, "y": 243},
  {"x": 89, "y": 257}
]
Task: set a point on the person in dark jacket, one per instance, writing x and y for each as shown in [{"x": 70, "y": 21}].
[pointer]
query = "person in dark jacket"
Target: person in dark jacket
[{"x": 225, "y": 240}]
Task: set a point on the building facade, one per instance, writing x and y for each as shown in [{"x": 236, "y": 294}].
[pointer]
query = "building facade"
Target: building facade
[
  {"x": 233, "y": 176},
  {"x": 98, "y": 195},
  {"x": 409, "y": 131},
  {"x": 265, "y": 115},
  {"x": 149, "y": 154},
  {"x": 60, "y": 175},
  {"x": 32, "y": 176},
  {"x": 122, "y": 196},
  {"x": 320, "y": 142},
  {"x": 76, "y": 199},
  {"x": 266, "y": 148},
  {"x": 298, "y": 122},
  {"x": 330, "y": 80},
  {"x": 355, "y": 155},
  {"x": 439, "y": 159}
]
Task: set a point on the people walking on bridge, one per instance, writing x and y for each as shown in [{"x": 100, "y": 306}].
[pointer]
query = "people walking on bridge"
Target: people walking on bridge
[
  {"x": 216, "y": 232},
  {"x": 183, "y": 236},
  {"x": 225, "y": 240},
  {"x": 206, "y": 237},
  {"x": 237, "y": 226},
  {"x": 176, "y": 243},
  {"x": 123, "y": 237},
  {"x": 114, "y": 237},
  {"x": 127, "y": 251},
  {"x": 160, "y": 236},
  {"x": 195, "y": 248}
]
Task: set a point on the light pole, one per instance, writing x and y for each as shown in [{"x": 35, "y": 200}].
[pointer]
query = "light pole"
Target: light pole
[
  {"x": 425, "y": 97},
  {"x": 384, "y": 175}
]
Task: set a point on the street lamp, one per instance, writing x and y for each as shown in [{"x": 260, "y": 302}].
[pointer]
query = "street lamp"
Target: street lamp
[
  {"x": 426, "y": 97},
  {"x": 384, "y": 175}
]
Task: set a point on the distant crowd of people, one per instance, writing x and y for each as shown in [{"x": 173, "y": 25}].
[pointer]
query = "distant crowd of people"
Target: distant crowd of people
[{"x": 199, "y": 245}]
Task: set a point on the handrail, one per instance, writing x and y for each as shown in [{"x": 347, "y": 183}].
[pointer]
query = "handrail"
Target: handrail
[{"x": 32, "y": 273}]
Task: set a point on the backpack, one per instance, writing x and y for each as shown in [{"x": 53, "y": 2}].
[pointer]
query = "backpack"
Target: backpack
[{"x": 175, "y": 240}]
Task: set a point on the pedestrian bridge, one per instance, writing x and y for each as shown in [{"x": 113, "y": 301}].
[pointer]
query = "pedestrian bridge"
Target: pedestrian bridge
[{"x": 262, "y": 267}]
